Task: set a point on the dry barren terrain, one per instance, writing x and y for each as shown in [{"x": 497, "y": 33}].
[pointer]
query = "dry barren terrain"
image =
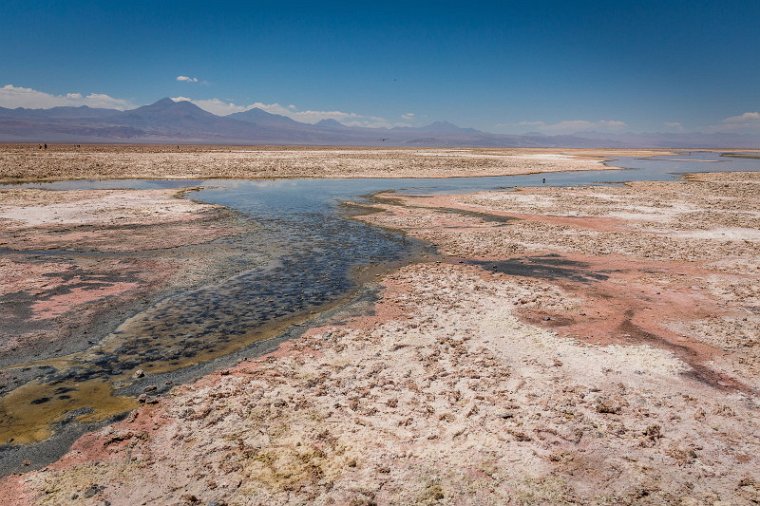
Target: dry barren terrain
[
  {"x": 571, "y": 346},
  {"x": 30, "y": 163}
]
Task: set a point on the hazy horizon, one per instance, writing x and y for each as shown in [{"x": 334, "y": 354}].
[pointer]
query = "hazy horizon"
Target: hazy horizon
[{"x": 549, "y": 67}]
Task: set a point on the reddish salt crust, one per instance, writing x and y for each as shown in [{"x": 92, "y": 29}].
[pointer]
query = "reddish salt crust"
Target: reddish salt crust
[
  {"x": 76, "y": 223},
  {"x": 627, "y": 309},
  {"x": 13, "y": 486},
  {"x": 60, "y": 304},
  {"x": 105, "y": 445},
  {"x": 41, "y": 282},
  {"x": 31, "y": 277},
  {"x": 384, "y": 309}
]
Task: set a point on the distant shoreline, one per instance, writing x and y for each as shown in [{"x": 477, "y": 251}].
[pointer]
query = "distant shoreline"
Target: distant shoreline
[{"x": 20, "y": 163}]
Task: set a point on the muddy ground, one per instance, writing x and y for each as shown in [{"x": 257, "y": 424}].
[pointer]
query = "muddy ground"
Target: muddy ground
[
  {"x": 68, "y": 256},
  {"x": 27, "y": 162},
  {"x": 75, "y": 265},
  {"x": 571, "y": 346}
]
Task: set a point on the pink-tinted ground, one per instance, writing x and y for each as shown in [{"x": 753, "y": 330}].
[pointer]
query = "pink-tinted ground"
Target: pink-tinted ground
[
  {"x": 72, "y": 254},
  {"x": 74, "y": 265},
  {"x": 600, "y": 348}
]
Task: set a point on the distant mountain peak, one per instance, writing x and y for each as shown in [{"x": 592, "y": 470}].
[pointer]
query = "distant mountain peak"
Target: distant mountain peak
[
  {"x": 167, "y": 120},
  {"x": 446, "y": 127},
  {"x": 263, "y": 118},
  {"x": 255, "y": 111},
  {"x": 170, "y": 104},
  {"x": 442, "y": 124},
  {"x": 167, "y": 106},
  {"x": 331, "y": 123}
]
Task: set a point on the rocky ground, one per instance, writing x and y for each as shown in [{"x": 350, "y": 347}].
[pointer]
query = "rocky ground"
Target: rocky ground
[
  {"x": 572, "y": 346},
  {"x": 28, "y": 162}
]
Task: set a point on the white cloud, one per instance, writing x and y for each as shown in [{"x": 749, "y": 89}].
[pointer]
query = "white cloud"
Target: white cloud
[
  {"x": 224, "y": 108},
  {"x": 408, "y": 116},
  {"x": 213, "y": 105},
  {"x": 748, "y": 122},
  {"x": 187, "y": 79},
  {"x": 15, "y": 96},
  {"x": 743, "y": 119},
  {"x": 572, "y": 126}
]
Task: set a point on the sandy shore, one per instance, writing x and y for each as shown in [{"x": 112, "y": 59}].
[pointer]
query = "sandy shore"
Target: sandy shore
[
  {"x": 585, "y": 345},
  {"x": 28, "y": 163}
]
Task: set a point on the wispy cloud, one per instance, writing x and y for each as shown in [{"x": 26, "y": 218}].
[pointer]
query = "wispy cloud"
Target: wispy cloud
[
  {"x": 16, "y": 96},
  {"x": 213, "y": 105},
  {"x": 568, "y": 126},
  {"x": 408, "y": 116},
  {"x": 748, "y": 122},
  {"x": 224, "y": 108},
  {"x": 187, "y": 79},
  {"x": 743, "y": 119}
]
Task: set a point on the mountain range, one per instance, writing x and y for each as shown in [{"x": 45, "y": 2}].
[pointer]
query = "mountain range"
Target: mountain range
[{"x": 169, "y": 121}]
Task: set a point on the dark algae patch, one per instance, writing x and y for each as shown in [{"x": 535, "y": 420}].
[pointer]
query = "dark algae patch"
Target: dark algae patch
[
  {"x": 306, "y": 262},
  {"x": 552, "y": 267}
]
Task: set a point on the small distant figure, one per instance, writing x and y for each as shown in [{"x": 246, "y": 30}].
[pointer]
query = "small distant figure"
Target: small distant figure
[
  {"x": 40, "y": 147},
  {"x": 544, "y": 180},
  {"x": 45, "y": 146}
]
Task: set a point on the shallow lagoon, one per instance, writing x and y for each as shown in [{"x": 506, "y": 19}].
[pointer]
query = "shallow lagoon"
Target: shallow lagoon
[{"x": 308, "y": 249}]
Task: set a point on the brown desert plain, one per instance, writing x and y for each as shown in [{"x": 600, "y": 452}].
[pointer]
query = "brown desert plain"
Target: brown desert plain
[{"x": 582, "y": 345}]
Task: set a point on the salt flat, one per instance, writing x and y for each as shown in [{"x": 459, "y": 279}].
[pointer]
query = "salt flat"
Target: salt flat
[
  {"x": 29, "y": 163},
  {"x": 566, "y": 345}
]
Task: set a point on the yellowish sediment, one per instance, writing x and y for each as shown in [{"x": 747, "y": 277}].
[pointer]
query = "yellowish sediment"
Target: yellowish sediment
[
  {"x": 48, "y": 300},
  {"x": 28, "y": 413}
]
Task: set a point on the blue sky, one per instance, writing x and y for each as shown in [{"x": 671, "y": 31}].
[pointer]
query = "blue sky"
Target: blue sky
[{"x": 557, "y": 67}]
